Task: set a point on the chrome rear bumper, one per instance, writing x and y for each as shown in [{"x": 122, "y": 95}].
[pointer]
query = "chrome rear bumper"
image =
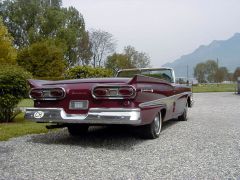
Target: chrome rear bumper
[{"x": 94, "y": 116}]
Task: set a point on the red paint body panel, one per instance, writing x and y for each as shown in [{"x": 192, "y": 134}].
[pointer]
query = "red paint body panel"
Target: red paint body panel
[{"x": 152, "y": 95}]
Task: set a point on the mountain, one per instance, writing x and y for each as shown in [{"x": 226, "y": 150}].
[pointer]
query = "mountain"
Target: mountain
[{"x": 226, "y": 51}]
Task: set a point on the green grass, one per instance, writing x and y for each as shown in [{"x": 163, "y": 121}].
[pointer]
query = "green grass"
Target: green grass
[
  {"x": 26, "y": 103},
  {"x": 214, "y": 88},
  {"x": 20, "y": 127}
]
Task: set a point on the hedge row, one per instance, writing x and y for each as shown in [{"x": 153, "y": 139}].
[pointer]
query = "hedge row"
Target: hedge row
[
  {"x": 13, "y": 87},
  {"x": 79, "y": 72}
]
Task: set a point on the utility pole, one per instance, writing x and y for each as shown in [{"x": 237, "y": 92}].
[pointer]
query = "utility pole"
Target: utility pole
[{"x": 187, "y": 75}]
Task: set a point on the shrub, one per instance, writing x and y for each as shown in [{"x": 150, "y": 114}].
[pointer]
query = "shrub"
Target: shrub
[
  {"x": 43, "y": 59},
  {"x": 79, "y": 72},
  {"x": 8, "y": 53},
  {"x": 13, "y": 87}
]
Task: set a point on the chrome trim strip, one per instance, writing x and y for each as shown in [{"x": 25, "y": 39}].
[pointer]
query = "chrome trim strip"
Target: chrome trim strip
[
  {"x": 158, "y": 102},
  {"x": 94, "y": 116},
  {"x": 162, "y": 101},
  {"x": 147, "y": 90}
]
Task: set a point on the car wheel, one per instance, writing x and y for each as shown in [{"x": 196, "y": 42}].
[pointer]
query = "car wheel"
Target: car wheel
[
  {"x": 77, "y": 130},
  {"x": 152, "y": 131},
  {"x": 183, "y": 117}
]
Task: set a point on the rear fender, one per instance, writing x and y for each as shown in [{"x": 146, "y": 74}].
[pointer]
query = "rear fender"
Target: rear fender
[{"x": 148, "y": 114}]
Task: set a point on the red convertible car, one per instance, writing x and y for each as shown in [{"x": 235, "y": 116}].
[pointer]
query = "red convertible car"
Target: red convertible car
[{"x": 138, "y": 97}]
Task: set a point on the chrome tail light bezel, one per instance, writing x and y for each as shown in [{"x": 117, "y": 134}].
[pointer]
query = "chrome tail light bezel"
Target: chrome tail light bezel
[
  {"x": 114, "y": 88},
  {"x": 46, "y": 93}
]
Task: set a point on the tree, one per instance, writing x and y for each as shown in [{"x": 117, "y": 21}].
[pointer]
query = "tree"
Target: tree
[
  {"x": 137, "y": 59},
  {"x": 221, "y": 74},
  {"x": 43, "y": 59},
  {"x": 35, "y": 20},
  {"x": 142, "y": 60},
  {"x": 130, "y": 58},
  {"x": 24, "y": 17},
  {"x": 80, "y": 72},
  {"x": 200, "y": 72},
  {"x": 209, "y": 72},
  {"x": 117, "y": 62},
  {"x": 211, "y": 69},
  {"x": 130, "y": 52},
  {"x": 230, "y": 77},
  {"x": 85, "y": 53},
  {"x": 236, "y": 74},
  {"x": 8, "y": 53},
  {"x": 102, "y": 44},
  {"x": 75, "y": 37}
]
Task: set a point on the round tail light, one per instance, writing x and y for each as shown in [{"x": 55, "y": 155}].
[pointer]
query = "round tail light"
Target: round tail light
[
  {"x": 125, "y": 91},
  {"x": 36, "y": 93},
  {"x": 56, "y": 92},
  {"x": 100, "y": 92}
]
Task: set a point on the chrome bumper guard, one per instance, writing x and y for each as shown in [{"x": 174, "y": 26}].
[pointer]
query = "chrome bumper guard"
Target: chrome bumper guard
[{"x": 94, "y": 116}]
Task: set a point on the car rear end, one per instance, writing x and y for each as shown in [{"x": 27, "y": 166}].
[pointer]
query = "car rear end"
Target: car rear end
[{"x": 91, "y": 102}]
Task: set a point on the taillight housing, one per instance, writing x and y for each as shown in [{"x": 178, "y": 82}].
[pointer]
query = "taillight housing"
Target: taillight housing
[
  {"x": 126, "y": 91},
  {"x": 100, "y": 91},
  {"x": 114, "y": 92},
  {"x": 47, "y": 93}
]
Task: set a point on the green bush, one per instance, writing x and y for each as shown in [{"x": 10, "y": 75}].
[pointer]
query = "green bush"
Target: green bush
[
  {"x": 13, "y": 87},
  {"x": 43, "y": 59},
  {"x": 79, "y": 72},
  {"x": 57, "y": 78}
]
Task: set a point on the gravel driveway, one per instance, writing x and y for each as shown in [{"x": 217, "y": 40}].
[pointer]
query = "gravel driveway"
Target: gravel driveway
[{"x": 206, "y": 146}]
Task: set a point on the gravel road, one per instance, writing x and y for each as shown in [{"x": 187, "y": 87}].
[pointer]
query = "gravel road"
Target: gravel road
[{"x": 207, "y": 146}]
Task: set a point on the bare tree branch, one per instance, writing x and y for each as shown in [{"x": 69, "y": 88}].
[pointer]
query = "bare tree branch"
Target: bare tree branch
[{"x": 102, "y": 44}]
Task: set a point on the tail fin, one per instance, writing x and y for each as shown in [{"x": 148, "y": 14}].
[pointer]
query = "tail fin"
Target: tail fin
[{"x": 36, "y": 83}]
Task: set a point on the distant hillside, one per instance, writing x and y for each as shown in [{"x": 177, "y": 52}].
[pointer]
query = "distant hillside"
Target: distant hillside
[{"x": 226, "y": 51}]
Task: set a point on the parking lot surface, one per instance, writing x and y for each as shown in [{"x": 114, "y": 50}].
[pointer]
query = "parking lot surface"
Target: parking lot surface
[{"x": 207, "y": 146}]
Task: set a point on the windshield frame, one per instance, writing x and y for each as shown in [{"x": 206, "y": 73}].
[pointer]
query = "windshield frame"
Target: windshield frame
[{"x": 140, "y": 70}]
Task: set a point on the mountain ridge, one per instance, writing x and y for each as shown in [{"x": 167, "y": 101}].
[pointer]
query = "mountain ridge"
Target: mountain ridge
[{"x": 226, "y": 51}]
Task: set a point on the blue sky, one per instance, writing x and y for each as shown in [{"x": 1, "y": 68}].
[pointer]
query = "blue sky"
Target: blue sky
[{"x": 165, "y": 29}]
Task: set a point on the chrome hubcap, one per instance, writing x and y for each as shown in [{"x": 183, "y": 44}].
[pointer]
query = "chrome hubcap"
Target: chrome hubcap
[{"x": 157, "y": 124}]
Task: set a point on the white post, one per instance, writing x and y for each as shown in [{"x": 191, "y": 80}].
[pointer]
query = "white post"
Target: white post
[{"x": 238, "y": 85}]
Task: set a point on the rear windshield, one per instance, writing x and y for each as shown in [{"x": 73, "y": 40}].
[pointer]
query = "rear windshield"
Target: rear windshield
[{"x": 165, "y": 74}]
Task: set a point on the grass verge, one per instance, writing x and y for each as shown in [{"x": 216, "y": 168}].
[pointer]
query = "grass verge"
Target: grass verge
[
  {"x": 214, "y": 88},
  {"x": 25, "y": 103},
  {"x": 20, "y": 127}
]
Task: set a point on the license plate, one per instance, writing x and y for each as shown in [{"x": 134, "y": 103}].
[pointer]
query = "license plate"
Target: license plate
[{"x": 78, "y": 104}]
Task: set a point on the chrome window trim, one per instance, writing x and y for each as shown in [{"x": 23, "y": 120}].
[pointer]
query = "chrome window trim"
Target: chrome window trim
[{"x": 140, "y": 69}]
